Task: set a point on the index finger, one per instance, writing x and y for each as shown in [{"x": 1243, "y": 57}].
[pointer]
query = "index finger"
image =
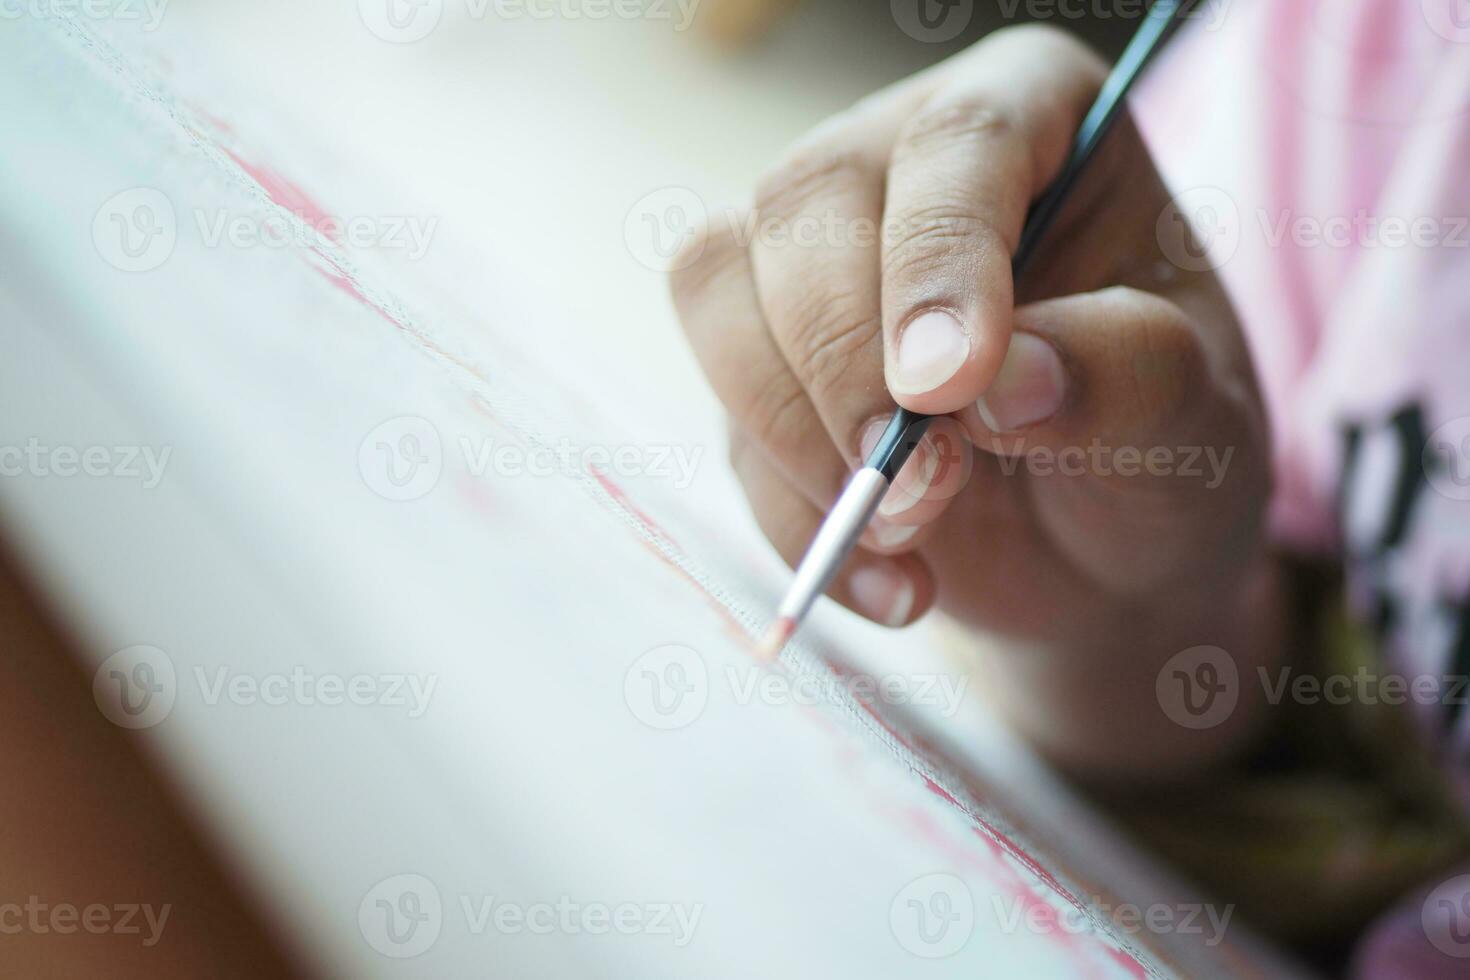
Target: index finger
[{"x": 962, "y": 175}]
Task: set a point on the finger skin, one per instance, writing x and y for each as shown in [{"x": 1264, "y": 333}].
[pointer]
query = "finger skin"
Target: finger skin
[
  {"x": 716, "y": 299},
  {"x": 1154, "y": 442},
  {"x": 722, "y": 319},
  {"x": 816, "y": 272},
  {"x": 935, "y": 475},
  {"x": 962, "y": 174}
]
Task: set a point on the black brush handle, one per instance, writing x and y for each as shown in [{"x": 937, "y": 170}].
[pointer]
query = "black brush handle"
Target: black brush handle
[{"x": 1164, "y": 17}]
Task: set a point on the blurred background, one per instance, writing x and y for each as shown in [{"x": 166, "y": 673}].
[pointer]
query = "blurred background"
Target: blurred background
[{"x": 549, "y": 135}]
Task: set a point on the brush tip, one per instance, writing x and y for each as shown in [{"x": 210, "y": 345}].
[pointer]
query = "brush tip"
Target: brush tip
[{"x": 777, "y": 635}]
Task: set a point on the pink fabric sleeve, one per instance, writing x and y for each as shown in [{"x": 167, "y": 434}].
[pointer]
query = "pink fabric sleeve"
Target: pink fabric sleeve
[{"x": 1322, "y": 149}]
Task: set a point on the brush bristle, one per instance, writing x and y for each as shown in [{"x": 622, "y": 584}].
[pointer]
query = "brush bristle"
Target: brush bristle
[{"x": 777, "y": 635}]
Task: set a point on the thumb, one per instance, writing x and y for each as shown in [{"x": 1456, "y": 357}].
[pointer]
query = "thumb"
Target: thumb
[{"x": 1131, "y": 423}]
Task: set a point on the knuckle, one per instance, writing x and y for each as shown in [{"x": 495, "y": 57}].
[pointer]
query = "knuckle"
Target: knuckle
[
  {"x": 969, "y": 120},
  {"x": 808, "y": 175},
  {"x": 929, "y": 238},
  {"x": 719, "y": 257},
  {"x": 828, "y": 329},
  {"x": 775, "y": 413},
  {"x": 1049, "y": 44}
]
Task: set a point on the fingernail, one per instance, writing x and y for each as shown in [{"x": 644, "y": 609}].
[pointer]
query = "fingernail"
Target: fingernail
[
  {"x": 930, "y": 350},
  {"x": 912, "y": 482},
  {"x": 892, "y": 535},
  {"x": 871, "y": 433},
  {"x": 1029, "y": 387},
  {"x": 882, "y": 593}
]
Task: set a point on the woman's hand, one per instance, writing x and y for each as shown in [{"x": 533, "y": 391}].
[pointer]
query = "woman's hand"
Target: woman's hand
[{"x": 1095, "y": 493}]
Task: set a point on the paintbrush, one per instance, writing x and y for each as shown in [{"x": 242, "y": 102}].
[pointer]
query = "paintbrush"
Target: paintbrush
[{"x": 864, "y": 491}]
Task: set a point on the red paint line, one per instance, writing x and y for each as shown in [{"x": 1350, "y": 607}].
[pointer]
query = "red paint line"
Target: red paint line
[
  {"x": 288, "y": 195},
  {"x": 620, "y": 495}
]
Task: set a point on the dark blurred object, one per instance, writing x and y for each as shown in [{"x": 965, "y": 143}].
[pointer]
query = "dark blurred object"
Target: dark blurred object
[
  {"x": 1106, "y": 26},
  {"x": 86, "y": 822}
]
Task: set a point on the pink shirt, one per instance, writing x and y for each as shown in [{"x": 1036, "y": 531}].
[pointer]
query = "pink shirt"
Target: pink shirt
[{"x": 1322, "y": 148}]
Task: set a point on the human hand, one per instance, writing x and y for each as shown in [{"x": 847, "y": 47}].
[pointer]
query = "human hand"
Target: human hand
[{"x": 1098, "y": 483}]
